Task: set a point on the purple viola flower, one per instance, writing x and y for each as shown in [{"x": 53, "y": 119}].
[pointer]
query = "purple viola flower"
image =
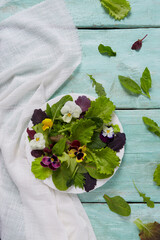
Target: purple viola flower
[
  {"x": 83, "y": 102},
  {"x": 38, "y": 116},
  {"x": 51, "y": 162},
  {"x": 107, "y": 134}
]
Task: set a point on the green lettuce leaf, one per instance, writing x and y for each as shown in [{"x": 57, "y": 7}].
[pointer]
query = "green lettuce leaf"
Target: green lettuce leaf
[
  {"x": 146, "y": 81},
  {"x": 116, "y": 128},
  {"x": 82, "y": 130},
  {"x": 145, "y": 199},
  {"x": 96, "y": 142},
  {"x": 105, "y": 159},
  {"x": 152, "y": 126},
  {"x": 93, "y": 171},
  {"x": 130, "y": 85},
  {"x": 79, "y": 180},
  {"x": 118, "y": 205},
  {"x": 39, "y": 171},
  {"x": 56, "y": 108},
  {"x": 102, "y": 107},
  {"x": 118, "y": 9},
  {"x": 149, "y": 231},
  {"x": 106, "y": 50},
  {"x": 156, "y": 176},
  {"x": 98, "y": 87},
  {"x": 59, "y": 147}
]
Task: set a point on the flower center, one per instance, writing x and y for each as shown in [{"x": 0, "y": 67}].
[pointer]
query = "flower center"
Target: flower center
[
  {"x": 37, "y": 139},
  {"x": 69, "y": 114},
  {"x": 108, "y": 131}
]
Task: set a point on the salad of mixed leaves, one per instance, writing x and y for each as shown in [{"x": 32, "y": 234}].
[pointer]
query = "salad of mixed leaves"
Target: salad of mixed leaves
[{"x": 75, "y": 142}]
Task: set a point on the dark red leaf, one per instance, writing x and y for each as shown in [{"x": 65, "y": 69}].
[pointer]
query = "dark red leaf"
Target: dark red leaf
[
  {"x": 118, "y": 142},
  {"x": 90, "y": 182},
  {"x": 138, "y": 44},
  {"x": 37, "y": 153},
  {"x": 31, "y": 133},
  {"x": 83, "y": 102},
  {"x": 38, "y": 116}
]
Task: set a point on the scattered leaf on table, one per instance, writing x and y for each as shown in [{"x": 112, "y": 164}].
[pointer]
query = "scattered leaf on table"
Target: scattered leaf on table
[
  {"x": 149, "y": 231},
  {"x": 98, "y": 87},
  {"x": 118, "y": 205},
  {"x": 146, "y": 81},
  {"x": 106, "y": 50},
  {"x": 156, "y": 176},
  {"x": 130, "y": 85},
  {"x": 145, "y": 199},
  {"x": 152, "y": 126},
  {"x": 118, "y": 9},
  {"x": 138, "y": 44}
]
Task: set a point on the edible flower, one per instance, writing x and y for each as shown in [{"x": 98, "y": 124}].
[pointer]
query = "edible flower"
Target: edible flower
[
  {"x": 70, "y": 110},
  {"x": 51, "y": 162},
  {"x": 38, "y": 143},
  {"x": 47, "y": 123},
  {"x": 77, "y": 151},
  {"x": 107, "y": 134}
]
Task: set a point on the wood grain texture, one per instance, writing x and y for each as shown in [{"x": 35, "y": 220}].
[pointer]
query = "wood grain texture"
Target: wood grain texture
[
  {"x": 127, "y": 63},
  {"x": 110, "y": 226}
]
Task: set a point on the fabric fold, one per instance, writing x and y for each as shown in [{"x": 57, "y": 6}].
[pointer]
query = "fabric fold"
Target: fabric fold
[{"x": 39, "y": 50}]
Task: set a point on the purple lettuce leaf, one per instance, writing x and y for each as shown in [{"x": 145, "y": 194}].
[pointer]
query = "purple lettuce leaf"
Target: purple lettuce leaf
[
  {"x": 31, "y": 133},
  {"x": 38, "y": 116},
  {"x": 118, "y": 142},
  {"x": 83, "y": 102},
  {"x": 90, "y": 182},
  {"x": 36, "y": 153}
]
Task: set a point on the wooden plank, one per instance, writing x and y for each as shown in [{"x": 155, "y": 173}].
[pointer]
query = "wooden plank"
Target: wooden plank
[
  {"x": 90, "y": 13},
  {"x": 127, "y": 63},
  {"x": 142, "y": 154},
  {"x": 110, "y": 226}
]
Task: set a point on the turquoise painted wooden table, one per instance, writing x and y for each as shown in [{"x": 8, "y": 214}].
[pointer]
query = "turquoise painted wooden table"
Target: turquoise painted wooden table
[{"x": 142, "y": 151}]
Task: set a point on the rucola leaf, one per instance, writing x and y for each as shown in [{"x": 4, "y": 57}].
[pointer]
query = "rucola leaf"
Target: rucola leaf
[
  {"x": 130, "y": 85},
  {"x": 145, "y": 199},
  {"x": 118, "y": 9},
  {"x": 146, "y": 81},
  {"x": 106, "y": 50},
  {"x": 156, "y": 176},
  {"x": 118, "y": 205},
  {"x": 152, "y": 126},
  {"x": 98, "y": 87},
  {"x": 149, "y": 231}
]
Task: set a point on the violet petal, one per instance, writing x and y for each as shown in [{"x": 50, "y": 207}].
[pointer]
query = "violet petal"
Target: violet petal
[
  {"x": 118, "y": 142},
  {"x": 83, "y": 102},
  {"x": 45, "y": 161},
  {"x": 90, "y": 182},
  {"x": 31, "y": 133},
  {"x": 105, "y": 139},
  {"x": 36, "y": 153},
  {"x": 75, "y": 145},
  {"x": 54, "y": 165},
  {"x": 38, "y": 116}
]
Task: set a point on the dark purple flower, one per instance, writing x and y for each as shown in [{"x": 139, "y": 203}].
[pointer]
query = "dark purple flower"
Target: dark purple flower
[
  {"x": 36, "y": 153},
  {"x": 90, "y": 182},
  {"x": 38, "y": 116},
  {"x": 83, "y": 102},
  {"x": 74, "y": 145},
  {"x": 138, "y": 44},
  {"x": 31, "y": 133},
  {"x": 51, "y": 162},
  {"x": 106, "y": 139},
  {"x": 118, "y": 142}
]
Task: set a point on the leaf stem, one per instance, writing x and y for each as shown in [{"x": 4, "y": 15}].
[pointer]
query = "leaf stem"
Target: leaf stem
[
  {"x": 144, "y": 37},
  {"x": 64, "y": 130}
]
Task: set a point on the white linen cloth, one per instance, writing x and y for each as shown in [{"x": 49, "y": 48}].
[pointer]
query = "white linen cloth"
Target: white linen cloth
[{"x": 39, "y": 50}]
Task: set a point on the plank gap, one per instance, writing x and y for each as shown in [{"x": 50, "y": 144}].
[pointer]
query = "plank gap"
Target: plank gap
[{"x": 116, "y": 28}]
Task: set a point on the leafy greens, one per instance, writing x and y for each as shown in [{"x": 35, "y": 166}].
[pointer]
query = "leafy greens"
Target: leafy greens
[{"x": 106, "y": 50}]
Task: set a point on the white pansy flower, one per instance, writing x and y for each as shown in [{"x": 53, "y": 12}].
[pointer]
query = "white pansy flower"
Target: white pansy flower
[
  {"x": 38, "y": 143},
  {"x": 107, "y": 131},
  {"x": 69, "y": 110}
]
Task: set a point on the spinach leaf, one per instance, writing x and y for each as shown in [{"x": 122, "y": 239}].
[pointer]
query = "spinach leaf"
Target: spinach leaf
[
  {"x": 146, "y": 81},
  {"x": 106, "y": 50},
  {"x": 130, "y": 85},
  {"x": 152, "y": 126},
  {"x": 118, "y": 205}
]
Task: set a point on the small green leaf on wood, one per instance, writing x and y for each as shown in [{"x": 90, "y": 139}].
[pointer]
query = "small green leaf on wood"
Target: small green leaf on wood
[
  {"x": 118, "y": 205},
  {"x": 146, "y": 81},
  {"x": 130, "y": 85},
  {"x": 145, "y": 199},
  {"x": 106, "y": 50},
  {"x": 152, "y": 126},
  {"x": 156, "y": 176},
  {"x": 118, "y": 9},
  {"x": 98, "y": 87}
]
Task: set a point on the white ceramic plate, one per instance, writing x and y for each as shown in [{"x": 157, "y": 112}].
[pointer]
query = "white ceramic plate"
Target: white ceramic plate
[{"x": 72, "y": 189}]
